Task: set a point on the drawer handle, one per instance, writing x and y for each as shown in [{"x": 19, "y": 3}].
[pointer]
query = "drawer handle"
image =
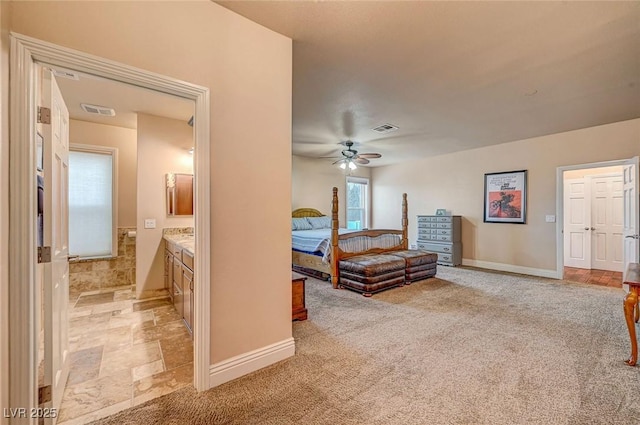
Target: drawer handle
[{"x": 445, "y": 249}]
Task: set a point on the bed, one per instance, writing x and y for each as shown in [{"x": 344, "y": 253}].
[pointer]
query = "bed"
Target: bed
[{"x": 317, "y": 251}]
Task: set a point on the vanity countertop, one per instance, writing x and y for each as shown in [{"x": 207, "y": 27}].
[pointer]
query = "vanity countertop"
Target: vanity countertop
[{"x": 185, "y": 241}]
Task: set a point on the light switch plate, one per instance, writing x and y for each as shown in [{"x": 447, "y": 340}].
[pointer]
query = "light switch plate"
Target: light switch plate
[
  {"x": 149, "y": 223},
  {"x": 550, "y": 218}
]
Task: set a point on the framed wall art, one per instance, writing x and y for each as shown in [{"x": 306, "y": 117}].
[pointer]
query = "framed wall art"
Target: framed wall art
[{"x": 505, "y": 197}]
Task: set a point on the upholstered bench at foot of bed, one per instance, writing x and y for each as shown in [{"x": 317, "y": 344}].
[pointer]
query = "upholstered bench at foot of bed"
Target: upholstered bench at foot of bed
[
  {"x": 419, "y": 264},
  {"x": 416, "y": 273},
  {"x": 372, "y": 273}
]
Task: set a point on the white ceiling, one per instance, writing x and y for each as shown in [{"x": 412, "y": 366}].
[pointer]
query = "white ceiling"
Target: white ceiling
[
  {"x": 127, "y": 100},
  {"x": 452, "y": 75}
]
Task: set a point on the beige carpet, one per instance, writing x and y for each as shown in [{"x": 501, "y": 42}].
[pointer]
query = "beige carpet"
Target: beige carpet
[{"x": 467, "y": 347}]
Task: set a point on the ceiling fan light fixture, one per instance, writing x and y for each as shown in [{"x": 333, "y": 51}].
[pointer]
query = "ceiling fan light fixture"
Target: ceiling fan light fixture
[{"x": 351, "y": 156}]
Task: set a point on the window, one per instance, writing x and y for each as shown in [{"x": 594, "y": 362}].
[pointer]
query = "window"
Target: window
[
  {"x": 357, "y": 203},
  {"x": 92, "y": 201}
]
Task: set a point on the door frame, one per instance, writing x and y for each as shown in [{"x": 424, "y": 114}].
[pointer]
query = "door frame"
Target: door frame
[
  {"x": 560, "y": 205},
  {"x": 25, "y": 52}
]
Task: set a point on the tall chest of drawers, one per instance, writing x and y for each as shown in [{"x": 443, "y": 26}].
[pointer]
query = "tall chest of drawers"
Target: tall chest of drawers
[{"x": 441, "y": 234}]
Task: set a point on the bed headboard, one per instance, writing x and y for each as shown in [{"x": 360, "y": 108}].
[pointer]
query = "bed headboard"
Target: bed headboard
[{"x": 306, "y": 212}]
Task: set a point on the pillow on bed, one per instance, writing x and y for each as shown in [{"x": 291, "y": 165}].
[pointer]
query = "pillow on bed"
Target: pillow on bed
[
  {"x": 320, "y": 222},
  {"x": 300, "y": 224}
]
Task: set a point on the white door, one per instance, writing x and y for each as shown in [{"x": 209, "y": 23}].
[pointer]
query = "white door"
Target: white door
[
  {"x": 577, "y": 224},
  {"x": 630, "y": 226},
  {"x": 56, "y": 236},
  {"x": 606, "y": 223}
]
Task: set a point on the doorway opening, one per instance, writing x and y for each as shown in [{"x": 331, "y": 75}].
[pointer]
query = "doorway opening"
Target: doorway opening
[
  {"x": 597, "y": 211},
  {"x": 127, "y": 340},
  {"x": 593, "y": 224},
  {"x": 26, "y": 54}
]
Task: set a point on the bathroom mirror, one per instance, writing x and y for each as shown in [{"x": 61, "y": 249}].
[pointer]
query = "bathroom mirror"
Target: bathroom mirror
[{"x": 179, "y": 194}]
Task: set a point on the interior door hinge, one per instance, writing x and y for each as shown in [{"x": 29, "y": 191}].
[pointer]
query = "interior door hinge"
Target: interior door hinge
[
  {"x": 44, "y": 254},
  {"x": 44, "y": 115},
  {"x": 44, "y": 394}
]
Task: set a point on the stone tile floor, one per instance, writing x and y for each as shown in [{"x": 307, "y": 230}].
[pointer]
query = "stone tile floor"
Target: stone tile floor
[
  {"x": 123, "y": 352},
  {"x": 596, "y": 277}
]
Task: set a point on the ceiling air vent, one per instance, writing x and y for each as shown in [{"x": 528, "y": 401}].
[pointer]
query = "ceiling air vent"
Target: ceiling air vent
[
  {"x": 385, "y": 128},
  {"x": 98, "y": 110}
]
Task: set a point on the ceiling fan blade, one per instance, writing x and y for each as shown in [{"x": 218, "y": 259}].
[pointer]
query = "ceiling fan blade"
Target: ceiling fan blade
[
  {"x": 369, "y": 155},
  {"x": 338, "y": 161},
  {"x": 361, "y": 160}
]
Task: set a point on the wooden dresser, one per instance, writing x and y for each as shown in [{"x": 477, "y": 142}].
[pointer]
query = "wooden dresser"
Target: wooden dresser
[
  {"x": 441, "y": 234},
  {"x": 298, "y": 308}
]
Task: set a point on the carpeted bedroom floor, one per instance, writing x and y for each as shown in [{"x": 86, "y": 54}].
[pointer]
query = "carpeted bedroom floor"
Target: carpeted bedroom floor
[{"x": 466, "y": 347}]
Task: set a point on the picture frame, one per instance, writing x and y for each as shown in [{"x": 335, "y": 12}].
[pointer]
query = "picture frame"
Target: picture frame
[
  {"x": 441, "y": 211},
  {"x": 505, "y": 197}
]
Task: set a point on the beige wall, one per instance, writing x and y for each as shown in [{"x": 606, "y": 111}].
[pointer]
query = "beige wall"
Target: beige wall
[
  {"x": 124, "y": 139},
  {"x": 4, "y": 200},
  {"x": 163, "y": 147},
  {"x": 312, "y": 181},
  {"x": 248, "y": 70},
  {"x": 455, "y": 182}
]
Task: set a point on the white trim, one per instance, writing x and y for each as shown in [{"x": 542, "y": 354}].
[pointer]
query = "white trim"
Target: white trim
[
  {"x": 25, "y": 52},
  {"x": 105, "y": 150},
  {"x": 510, "y": 268},
  {"x": 202, "y": 273},
  {"x": 560, "y": 204},
  {"x": 243, "y": 364},
  {"x": 22, "y": 295}
]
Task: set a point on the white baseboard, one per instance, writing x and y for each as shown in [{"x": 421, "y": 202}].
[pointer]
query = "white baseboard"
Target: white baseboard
[
  {"x": 243, "y": 364},
  {"x": 552, "y": 274}
]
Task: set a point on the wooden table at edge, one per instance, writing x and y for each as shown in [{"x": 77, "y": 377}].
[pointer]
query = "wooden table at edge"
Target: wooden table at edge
[
  {"x": 298, "y": 307},
  {"x": 630, "y": 307}
]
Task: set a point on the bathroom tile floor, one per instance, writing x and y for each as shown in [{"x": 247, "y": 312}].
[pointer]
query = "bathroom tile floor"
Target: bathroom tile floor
[{"x": 123, "y": 352}]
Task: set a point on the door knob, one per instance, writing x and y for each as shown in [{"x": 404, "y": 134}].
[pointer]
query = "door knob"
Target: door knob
[
  {"x": 593, "y": 228},
  {"x": 586, "y": 228}
]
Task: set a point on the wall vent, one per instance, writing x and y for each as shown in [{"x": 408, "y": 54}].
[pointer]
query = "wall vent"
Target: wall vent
[
  {"x": 98, "y": 110},
  {"x": 385, "y": 128}
]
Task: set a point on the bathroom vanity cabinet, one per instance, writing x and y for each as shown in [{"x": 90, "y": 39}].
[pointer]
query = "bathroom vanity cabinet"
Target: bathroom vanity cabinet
[{"x": 178, "y": 266}]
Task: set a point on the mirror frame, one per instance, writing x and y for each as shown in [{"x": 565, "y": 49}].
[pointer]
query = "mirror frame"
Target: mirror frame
[{"x": 176, "y": 193}]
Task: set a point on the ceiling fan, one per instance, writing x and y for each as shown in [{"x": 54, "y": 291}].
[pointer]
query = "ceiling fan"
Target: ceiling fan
[{"x": 351, "y": 157}]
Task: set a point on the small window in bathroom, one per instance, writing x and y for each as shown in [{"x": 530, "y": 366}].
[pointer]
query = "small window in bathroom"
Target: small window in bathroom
[{"x": 92, "y": 205}]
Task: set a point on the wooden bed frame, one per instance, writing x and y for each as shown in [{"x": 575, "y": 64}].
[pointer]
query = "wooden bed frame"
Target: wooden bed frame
[{"x": 314, "y": 262}]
